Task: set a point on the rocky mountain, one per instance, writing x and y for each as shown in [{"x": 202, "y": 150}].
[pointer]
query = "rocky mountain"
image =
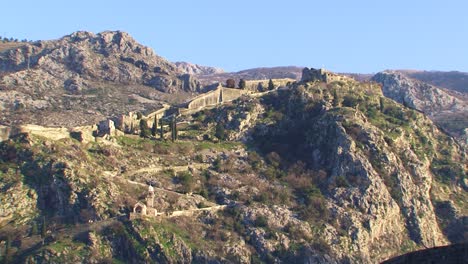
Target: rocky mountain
[
  {"x": 195, "y": 69},
  {"x": 318, "y": 172},
  {"x": 264, "y": 73},
  {"x": 93, "y": 74},
  {"x": 453, "y": 80},
  {"x": 449, "y": 109}
]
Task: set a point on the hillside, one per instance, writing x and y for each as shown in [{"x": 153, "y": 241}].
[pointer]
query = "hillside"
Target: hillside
[
  {"x": 453, "y": 80},
  {"x": 84, "y": 77},
  {"x": 195, "y": 69},
  {"x": 9, "y": 45},
  {"x": 447, "y": 108},
  {"x": 265, "y": 73},
  {"x": 318, "y": 172}
]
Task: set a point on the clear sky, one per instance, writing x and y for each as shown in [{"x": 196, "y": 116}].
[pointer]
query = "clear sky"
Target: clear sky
[{"x": 342, "y": 35}]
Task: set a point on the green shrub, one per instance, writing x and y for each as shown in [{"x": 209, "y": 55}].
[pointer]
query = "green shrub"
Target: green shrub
[{"x": 261, "y": 221}]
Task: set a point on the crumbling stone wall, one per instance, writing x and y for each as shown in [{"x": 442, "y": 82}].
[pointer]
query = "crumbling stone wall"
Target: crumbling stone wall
[
  {"x": 4, "y": 133},
  {"x": 322, "y": 75},
  {"x": 130, "y": 123},
  {"x": 106, "y": 127}
]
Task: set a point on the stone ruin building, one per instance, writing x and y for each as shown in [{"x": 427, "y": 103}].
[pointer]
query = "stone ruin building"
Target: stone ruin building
[
  {"x": 322, "y": 75},
  {"x": 145, "y": 208}
]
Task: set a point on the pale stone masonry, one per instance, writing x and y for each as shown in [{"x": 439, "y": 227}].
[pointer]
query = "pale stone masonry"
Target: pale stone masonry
[{"x": 146, "y": 209}]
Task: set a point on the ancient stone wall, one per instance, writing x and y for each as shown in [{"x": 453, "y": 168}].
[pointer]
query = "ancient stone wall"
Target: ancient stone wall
[
  {"x": 127, "y": 123},
  {"x": 252, "y": 85},
  {"x": 322, "y": 75},
  {"x": 106, "y": 127},
  {"x": 84, "y": 133},
  {"x": 207, "y": 99},
  {"x": 54, "y": 133},
  {"x": 229, "y": 94},
  {"x": 4, "y": 133}
]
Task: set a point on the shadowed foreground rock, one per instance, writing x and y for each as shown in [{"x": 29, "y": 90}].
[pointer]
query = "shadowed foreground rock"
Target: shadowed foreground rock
[{"x": 457, "y": 253}]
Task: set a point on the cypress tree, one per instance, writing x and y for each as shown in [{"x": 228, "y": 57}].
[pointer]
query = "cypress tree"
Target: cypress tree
[
  {"x": 173, "y": 129},
  {"x": 242, "y": 84},
  {"x": 336, "y": 101},
  {"x": 154, "y": 128},
  {"x": 34, "y": 229},
  {"x": 271, "y": 85},
  {"x": 7, "y": 256},
  {"x": 382, "y": 105},
  {"x": 144, "y": 130},
  {"x": 43, "y": 229},
  {"x": 161, "y": 131}
]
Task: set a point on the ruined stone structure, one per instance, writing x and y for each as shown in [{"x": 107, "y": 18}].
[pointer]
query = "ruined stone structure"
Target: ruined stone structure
[
  {"x": 4, "y": 133},
  {"x": 145, "y": 209},
  {"x": 130, "y": 123},
  {"x": 106, "y": 127},
  {"x": 322, "y": 75}
]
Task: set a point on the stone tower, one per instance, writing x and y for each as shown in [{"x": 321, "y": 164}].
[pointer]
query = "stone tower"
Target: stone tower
[{"x": 150, "y": 197}]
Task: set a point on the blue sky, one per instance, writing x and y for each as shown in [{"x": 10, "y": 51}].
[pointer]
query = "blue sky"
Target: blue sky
[{"x": 347, "y": 36}]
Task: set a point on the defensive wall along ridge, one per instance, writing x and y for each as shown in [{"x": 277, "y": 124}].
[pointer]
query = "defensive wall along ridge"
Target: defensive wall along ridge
[{"x": 127, "y": 123}]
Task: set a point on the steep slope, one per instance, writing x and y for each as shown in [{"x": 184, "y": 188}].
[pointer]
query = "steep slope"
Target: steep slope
[
  {"x": 316, "y": 173},
  {"x": 382, "y": 172},
  {"x": 444, "y": 108},
  {"x": 84, "y": 72}
]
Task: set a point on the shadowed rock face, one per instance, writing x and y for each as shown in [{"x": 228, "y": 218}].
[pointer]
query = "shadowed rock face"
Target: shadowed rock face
[{"x": 453, "y": 254}]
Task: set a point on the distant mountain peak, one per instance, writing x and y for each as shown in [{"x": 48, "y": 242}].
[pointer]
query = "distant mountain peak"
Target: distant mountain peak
[
  {"x": 46, "y": 72},
  {"x": 195, "y": 69}
]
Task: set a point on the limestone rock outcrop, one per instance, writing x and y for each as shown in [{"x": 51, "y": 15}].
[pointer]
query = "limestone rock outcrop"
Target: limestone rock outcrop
[
  {"x": 195, "y": 69},
  {"x": 417, "y": 94},
  {"x": 109, "y": 56},
  {"x": 447, "y": 108},
  {"x": 94, "y": 76}
]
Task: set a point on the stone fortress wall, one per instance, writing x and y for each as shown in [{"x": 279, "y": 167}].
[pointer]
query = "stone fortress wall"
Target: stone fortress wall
[
  {"x": 130, "y": 123},
  {"x": 218, "y": 96},
  {"x": 253, "y": 85},
  {"x": 223, "y": 94},
  {"x": 322, "y": 75}
]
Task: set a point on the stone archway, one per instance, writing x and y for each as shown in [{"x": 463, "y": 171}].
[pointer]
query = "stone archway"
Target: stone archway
[{"x": 139, "y": 208}]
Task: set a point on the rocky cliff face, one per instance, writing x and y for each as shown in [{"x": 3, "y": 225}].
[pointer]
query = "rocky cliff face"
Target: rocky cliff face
[
  {"x": 416, "y": 94},
  {"x": 327, "y": 173},
  {"x": 453, "y": 80},
  {"x": 107, "y": 56},
  {"x": 383, "y": 182},
  {"x": 195, "y": 69},
  {"x": 85, "y": 72},
  {"x": 448, "y": 109}
]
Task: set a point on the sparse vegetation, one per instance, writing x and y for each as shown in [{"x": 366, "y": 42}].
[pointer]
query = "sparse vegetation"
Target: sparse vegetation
[{"x": 299, "y": 173}]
